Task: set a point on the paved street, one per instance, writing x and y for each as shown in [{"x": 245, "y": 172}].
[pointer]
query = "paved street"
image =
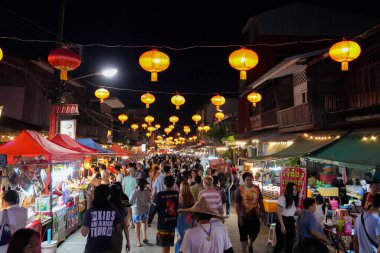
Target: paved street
[{"x": 75, "y": 243}]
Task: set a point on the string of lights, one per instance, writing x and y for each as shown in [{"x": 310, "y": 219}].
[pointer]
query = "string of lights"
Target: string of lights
[{"x": 167, "y": 47}]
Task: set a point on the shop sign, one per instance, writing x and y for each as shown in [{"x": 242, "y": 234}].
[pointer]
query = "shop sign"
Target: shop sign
[
  {"x": 68, "y": 127},
  {"x": 294, "y": 175}
]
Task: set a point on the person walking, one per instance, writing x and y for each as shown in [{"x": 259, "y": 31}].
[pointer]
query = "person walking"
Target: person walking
[
  {"x": 184, "y": 221},
  {"x": 212, "y": 196},
  {"x": 12, "y": 213},
  {"x": 140, "y": 200},
  {"x": 158, "y": 184},
  {"x": 165, "y": 204},
  {"x": 207, "y": 236},
  {"x": 119, "y": 176},
  {"x": 367, "y": 229},
  {"x": 100, "y": 222},
  {"x": 249, "y": 203},
  {"x": 285, "y": 224},
  {"x": 197, "y": 188},
  {"x": 226, "y": 182},
  {"x": 117, "y": 238},
  {"x": 105, "y": 175}
]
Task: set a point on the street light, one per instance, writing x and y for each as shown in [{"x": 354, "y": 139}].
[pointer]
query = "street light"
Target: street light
[
  {"x": 105, "y": 72},
  {"x": 1, "y": 109}
]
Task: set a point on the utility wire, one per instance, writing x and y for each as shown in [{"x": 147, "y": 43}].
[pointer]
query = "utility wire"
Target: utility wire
[{"x": 167, "y": 47}]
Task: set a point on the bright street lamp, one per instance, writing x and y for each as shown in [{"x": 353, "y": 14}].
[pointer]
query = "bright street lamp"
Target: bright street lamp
[{"x": 105, "y": 72}]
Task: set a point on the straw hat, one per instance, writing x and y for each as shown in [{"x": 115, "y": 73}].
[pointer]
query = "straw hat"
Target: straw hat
[{"x": 201, "y": 206}]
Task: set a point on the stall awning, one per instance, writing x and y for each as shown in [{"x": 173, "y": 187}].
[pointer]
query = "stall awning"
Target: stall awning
[
  {"x": 360, "y": 149},
  {"x": 30, "y": 143},
  {"x": 308, "y": 143},
  {"x": 119, "y": 151},
  {"x": 67, "y": 142},
  {"x": 88, "y": 142}
]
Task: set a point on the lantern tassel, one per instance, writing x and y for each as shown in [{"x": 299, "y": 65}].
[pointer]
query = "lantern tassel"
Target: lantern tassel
[
  {"x": 63, "y": 75},
  {"x": 101, "y": 100},
  {"x": 153, "y": 77},
  {"x": 177, "y": 107},
  {"x": 344, "y": 66},
  {"x": 243, "y": 75},
  {"x": 147, "y": 106},
  {"x": 254, "y": 104}
]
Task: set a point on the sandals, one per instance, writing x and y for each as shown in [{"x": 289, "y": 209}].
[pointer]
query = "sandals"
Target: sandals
[
  {"x": 139, "y": 244},
  {"x": 145, "y": 241}
]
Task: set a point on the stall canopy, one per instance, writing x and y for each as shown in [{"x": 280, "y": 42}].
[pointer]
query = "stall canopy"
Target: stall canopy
[
  {"x": 92, "y": 144},
  {"x": 356, "y": 150},
  {"x": 30, "y": 143},
  {"x": 66, "y": 141},
  {"x": 308, "y": 143},
  {"x": 119, "y": 151}
]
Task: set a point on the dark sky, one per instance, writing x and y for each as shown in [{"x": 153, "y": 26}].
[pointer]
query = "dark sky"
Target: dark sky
[{"x": 151, "y": 23}]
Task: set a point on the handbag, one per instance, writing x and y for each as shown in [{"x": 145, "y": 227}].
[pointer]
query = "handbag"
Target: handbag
[
  {"x": 365, "y": 230},
  {"x": 5, "y": 230}
]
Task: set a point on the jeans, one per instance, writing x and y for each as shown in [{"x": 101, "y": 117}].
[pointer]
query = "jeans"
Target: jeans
[{"x": 228, "y": 202}]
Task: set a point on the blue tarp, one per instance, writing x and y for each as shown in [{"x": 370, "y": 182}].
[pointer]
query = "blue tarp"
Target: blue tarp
[{"x": 92, "y": 144}]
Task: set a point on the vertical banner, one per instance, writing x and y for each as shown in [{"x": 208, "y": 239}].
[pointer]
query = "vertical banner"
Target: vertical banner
[{"x": 298, "y": 177}]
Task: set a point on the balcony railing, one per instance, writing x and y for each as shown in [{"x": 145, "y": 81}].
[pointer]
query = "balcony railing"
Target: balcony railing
[
  {"x": 255, "y": 121},
  {"x": 269, "y": 117},
  {"x": 294, "y": 116}
]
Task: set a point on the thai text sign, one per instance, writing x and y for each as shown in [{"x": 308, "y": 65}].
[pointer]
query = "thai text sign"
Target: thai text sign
[{"x": 294, "y": 175}]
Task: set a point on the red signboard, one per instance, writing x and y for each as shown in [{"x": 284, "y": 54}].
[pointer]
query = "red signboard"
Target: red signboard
[
  {"x": 294, "y": 175},
  {"x": 218, "y": 164}
]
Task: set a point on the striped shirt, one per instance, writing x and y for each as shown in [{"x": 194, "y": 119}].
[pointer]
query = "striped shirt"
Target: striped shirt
[{"x": 213, "y": 199}]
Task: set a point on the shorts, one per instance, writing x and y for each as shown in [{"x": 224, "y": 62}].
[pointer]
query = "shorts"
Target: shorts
[
  {"x": 165, "y": 238},
  {"x": 250, "y": 228},
  {"x": 140, "y": 217}
]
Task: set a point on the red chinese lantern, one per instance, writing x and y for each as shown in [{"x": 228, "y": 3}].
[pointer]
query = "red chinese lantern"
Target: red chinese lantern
[{"x": 65, "y": 60}]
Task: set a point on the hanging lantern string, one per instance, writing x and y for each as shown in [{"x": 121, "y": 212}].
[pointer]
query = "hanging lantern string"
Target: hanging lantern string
[
  {"x": 163, "y": 92},
  {"x": 169, "y": 47}
]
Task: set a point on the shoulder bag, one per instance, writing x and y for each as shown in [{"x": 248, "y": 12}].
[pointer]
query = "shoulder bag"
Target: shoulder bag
[{"x": 365, "y": 230}]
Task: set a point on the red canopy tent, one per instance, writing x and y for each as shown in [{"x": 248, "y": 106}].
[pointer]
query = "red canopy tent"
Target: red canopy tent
[
  {"x": 66, "y": 141},
  {"x": 30, "y": 144},
  {"x": 119, "y": 151}
]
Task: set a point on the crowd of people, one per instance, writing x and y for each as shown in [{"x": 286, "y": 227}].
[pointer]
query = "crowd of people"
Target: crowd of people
[{"x": 191, "y": 204}]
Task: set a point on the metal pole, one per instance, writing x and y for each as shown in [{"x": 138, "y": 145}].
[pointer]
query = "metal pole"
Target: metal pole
[{"x": 51, "y": 196}]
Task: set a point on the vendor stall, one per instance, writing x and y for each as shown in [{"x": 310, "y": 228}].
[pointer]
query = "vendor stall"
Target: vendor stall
[
  {"x": 31, "y": 160},
  {"x": 102, "y": 155}
]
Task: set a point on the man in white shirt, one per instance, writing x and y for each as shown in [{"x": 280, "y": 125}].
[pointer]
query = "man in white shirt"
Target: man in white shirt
[
  {"x": 105, "y": 174},
  {"x": 119, "y": 175},
  {"x": 16, "y": 214}
]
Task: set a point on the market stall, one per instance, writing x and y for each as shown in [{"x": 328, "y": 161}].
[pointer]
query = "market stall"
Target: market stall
[
  {"x": 103, "y": 155},
  {"x": 121, "y": 154},
  {"x": 31, "y": 160},
  {"x": 78, "y": 206}
]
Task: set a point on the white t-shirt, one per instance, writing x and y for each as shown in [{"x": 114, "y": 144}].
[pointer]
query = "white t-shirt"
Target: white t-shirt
[
  {"x": 119, "y": 177},
  {"x": 319, "y": 216},
  {"x": 195, "y": 239},
  {"x": 288, "y": 212},
  {"x": 17, "y": 217}
]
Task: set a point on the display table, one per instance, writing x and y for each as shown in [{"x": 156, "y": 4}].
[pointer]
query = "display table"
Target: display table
[
  {"x": 360, "y": 197},
  {"x": 328, "y": 192}
]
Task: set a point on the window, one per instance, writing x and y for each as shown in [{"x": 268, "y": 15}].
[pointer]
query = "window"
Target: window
[{"x": 304, "y": 97}]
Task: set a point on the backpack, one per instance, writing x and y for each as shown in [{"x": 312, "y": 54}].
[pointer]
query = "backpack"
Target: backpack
[{"x": 5, "y": 229}]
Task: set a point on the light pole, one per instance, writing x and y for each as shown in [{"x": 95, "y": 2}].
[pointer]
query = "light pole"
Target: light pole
[
  {"x": 105, "y": 72},
  {"x": 59, "y": 109}
]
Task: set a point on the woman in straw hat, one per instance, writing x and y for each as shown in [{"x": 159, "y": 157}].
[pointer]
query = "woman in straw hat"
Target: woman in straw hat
[{"x": 206, "y": 236}]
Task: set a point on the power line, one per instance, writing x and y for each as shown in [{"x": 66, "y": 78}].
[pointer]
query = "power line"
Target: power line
[{"x": 169, "y": 47}]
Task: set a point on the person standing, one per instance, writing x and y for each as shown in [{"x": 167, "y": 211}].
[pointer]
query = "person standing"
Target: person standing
[
  {"x": 100, "y": 222},
  {"x": 211, "y": 195},
  {"x": 25, "y": 240},
  {"x": 165, "y": 203},
  {"x": 249, "y": 201},
  {"x": 140, "y": 200},
  {"x": 367, "y": 229},
  {"x": 130, "y": 182},
  {"x": 184, "y": 221},
  {"x": 105, "y": 174},
  {"x": 207, "y": 236},
  {"x": 13, "y": 213},
  {"x": 158, "y": 184},
  {"x": 117, "y": 238},
  {"x": 226, "y": 182},
  {"x": 119, "y": 176},
  {"x": 368, "y": 196},
  {"x": 287, "y": 205},
  {"x": 308, "y": 225},
  {"x": 197, "y": 188}
]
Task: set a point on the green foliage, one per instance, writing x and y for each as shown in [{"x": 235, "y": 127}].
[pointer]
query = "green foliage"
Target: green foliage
[
  {"x": 219, "y": 131},
  {"x": 228, "y": 153}
]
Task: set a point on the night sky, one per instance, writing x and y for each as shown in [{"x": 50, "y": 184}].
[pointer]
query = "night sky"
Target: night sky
[{"x": 151, "y": 23}]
